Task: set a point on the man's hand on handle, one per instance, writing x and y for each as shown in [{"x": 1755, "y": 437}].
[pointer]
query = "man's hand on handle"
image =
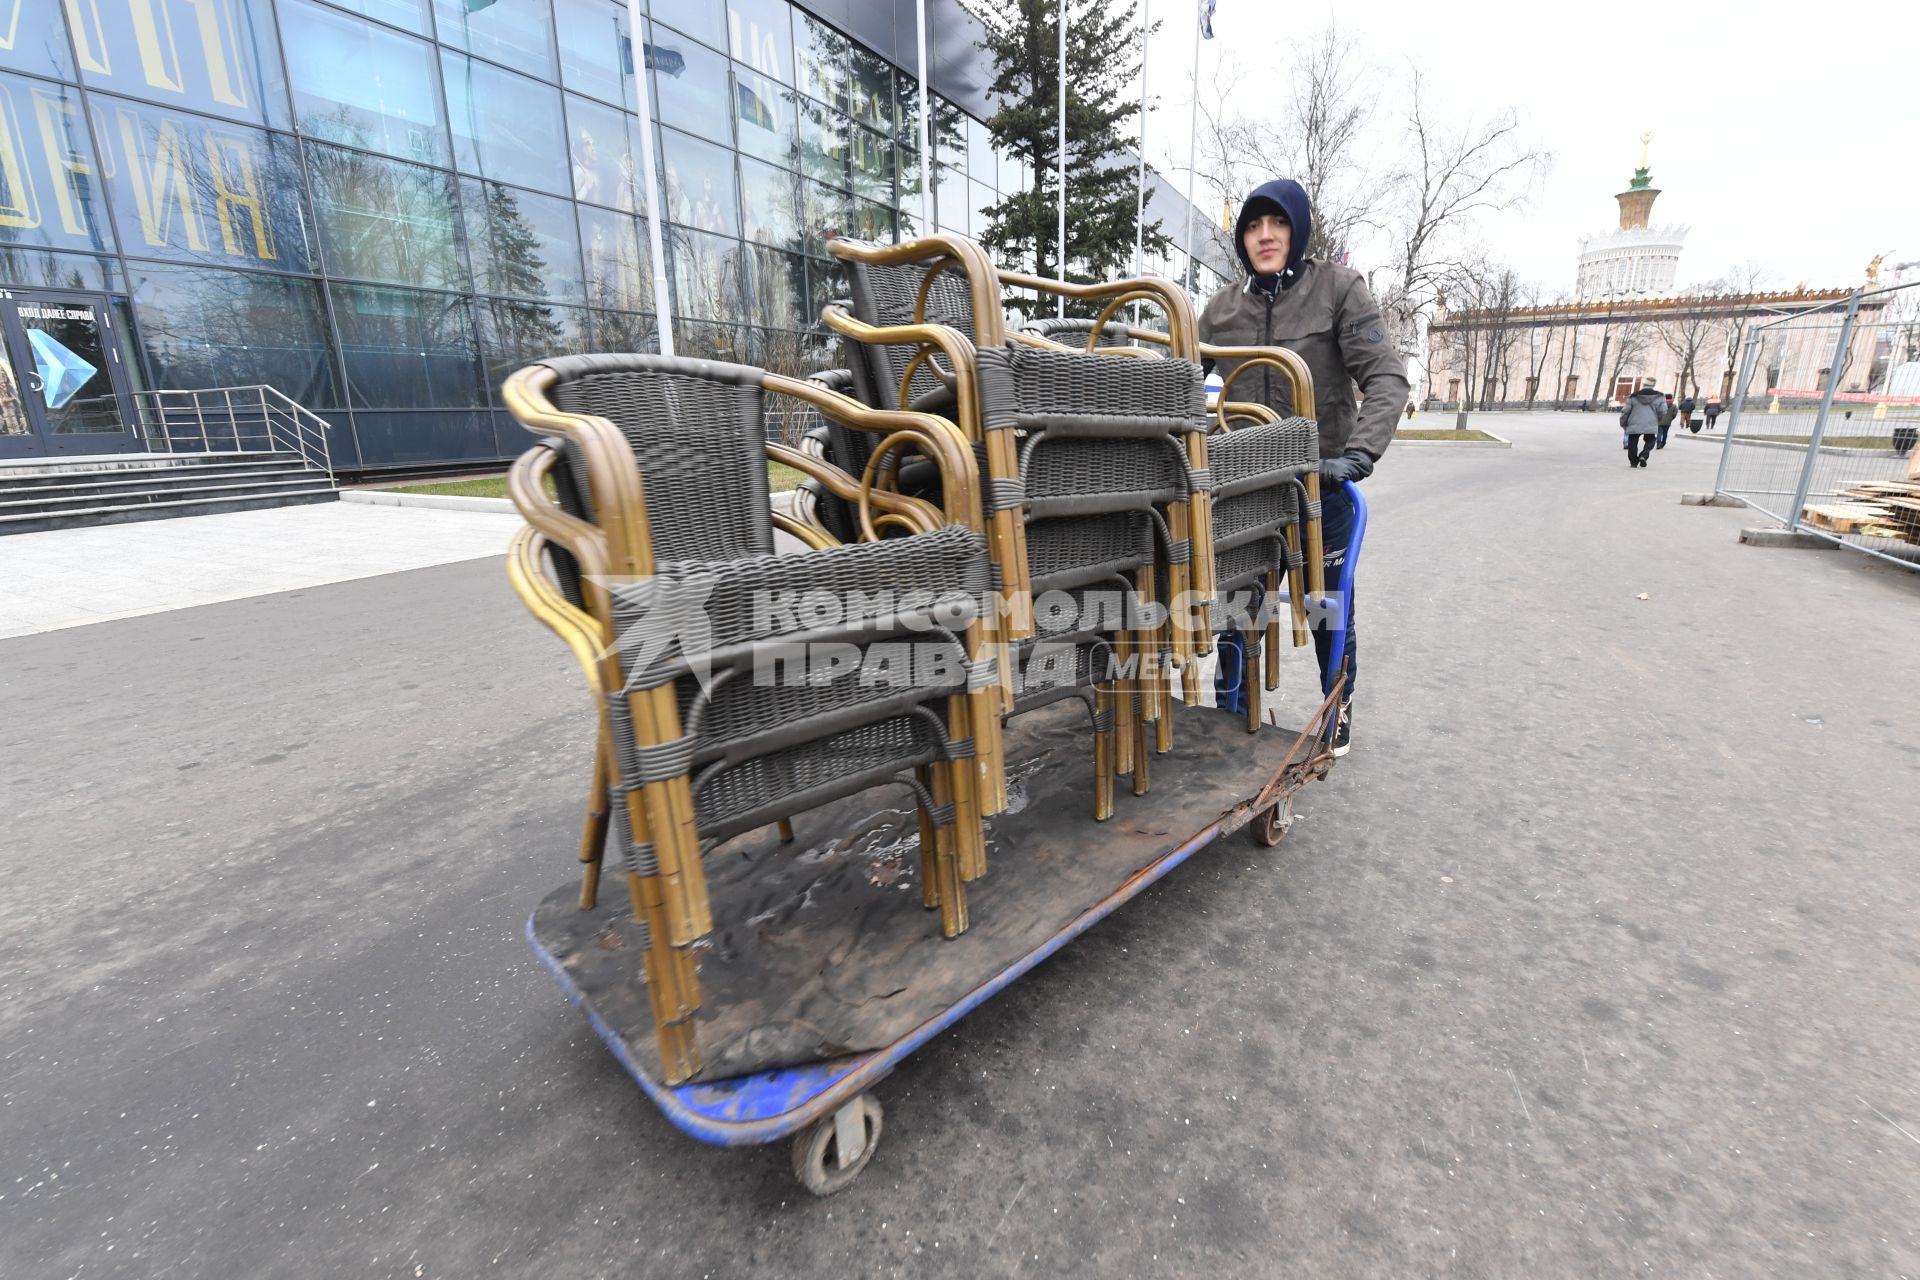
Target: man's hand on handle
[{"x": 1354, "y": 464}]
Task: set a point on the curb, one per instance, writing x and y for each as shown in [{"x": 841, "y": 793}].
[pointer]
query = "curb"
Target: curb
[
  {"x": 1498, "y": 442},
  {"x": 782, "y": 501},
  {"x": 1711, "y": 500}
]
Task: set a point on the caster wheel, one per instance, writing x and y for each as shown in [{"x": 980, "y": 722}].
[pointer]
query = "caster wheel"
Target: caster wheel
[
  {"x": 816, "y": 1151},
  {"x": 1271, "y": 827}
]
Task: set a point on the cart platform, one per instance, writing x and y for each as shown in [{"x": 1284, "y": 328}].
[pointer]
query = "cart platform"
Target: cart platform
[{"x": 824, "y": 971}]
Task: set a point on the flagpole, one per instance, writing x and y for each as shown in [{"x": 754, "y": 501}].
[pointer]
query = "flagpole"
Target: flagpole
[
  {"x": 1193, "y": 134},
  {"x": 1140, "y": 192},
  {"x": 926, "y": 140},
  {"x": 1061, "y": 300},
  {"x": 649, "y": 180}
]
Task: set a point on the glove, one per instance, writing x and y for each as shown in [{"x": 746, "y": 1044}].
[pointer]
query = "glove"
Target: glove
[{"x": 1355, "y": 465}]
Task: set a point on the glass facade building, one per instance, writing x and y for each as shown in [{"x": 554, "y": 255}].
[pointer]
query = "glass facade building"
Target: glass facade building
[{"x": 381, "y": 207}]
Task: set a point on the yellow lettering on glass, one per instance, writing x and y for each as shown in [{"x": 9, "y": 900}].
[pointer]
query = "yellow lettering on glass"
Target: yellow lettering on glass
[
  {"x": 18, "y": 207},
  {"x": 219, "y": 41},
  {"x": 153, "y": 33},
  {"x": 236, "y": 191},
  {"x": 12, "y": 31},
  {"x": 162, "y": 183},
  {"x": 89, "y": 37},
  {"x": 58, "y": 117}
]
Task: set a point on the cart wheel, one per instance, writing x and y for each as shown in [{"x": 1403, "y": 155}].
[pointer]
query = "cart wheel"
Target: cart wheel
[
  {"x": 816, "y": 1151},
  {"x": 1274, "y": 823}
]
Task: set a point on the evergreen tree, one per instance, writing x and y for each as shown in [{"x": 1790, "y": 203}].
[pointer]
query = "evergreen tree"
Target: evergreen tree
[{"x": 1103, "y": 66}]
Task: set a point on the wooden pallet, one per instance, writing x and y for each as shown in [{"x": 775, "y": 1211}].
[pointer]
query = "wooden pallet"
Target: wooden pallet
[{"x": 1844, "y": 517}]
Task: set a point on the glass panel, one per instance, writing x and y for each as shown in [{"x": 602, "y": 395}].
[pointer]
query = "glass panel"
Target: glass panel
[
  {"x": 217, "y": 56},
  {"x": 824, "y": 214},
  {"x": 43, "y": 268},
  {"x": 690, "y": 84},
  {"x": 35, "y": 39},
  {"x": 49, "y": 184},
  {"x": 872, "y": 221},
  {"x": 711, "y": 341},
  {"x": 700, "y": 190},
  {"x": 188, "y": 187},
  {"x": 618, "y": 277},
  {"x": 407, "y": 350},
  {"x": 823, "y": 142},
  {"x": 950, "y": 200},
  {"x": 518, "y": 33},
  {"x": 760, "y": 34},
  {"x": 362, "y": 85},
  {"x": 409, "y": 15},
  {"x": 776, "y": 287},
  {"x": 69, "y": 347},
  {"x": 13, "y": 409},
  {"x": 521, "y": 244},
  {"x": 870, "y": 159},
  {"x": 704, "y": 20},
  {"x": 205, "y": 328},
  {"x": 704, "y": 272},
  {"x": 770, "y": 199},
  {"x": 982, "y": 213},
  {"x": 594, "y": 55},
  {"x": 820, "y": 59},
  {"x": 950, "y": 135},
  {"x": 625, "y": 331},
  {"x": 870, "y": 88},
  {"x": 605, "y": 170},
  {"x": 764, "y": 115},
  {"x": 826, "y": 282},
  {"x": 505, "y": 126},
  {"x": 980, "y": 152},
  {"x": 383, "y": 220},
  {"x": 515, "y": 334}
]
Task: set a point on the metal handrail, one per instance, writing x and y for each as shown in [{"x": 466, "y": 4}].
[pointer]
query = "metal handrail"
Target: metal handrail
[{"x": 219, "y": 414}]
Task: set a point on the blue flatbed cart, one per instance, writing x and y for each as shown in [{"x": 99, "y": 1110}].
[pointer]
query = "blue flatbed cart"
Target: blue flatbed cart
[{"x": 821, "y": 969}]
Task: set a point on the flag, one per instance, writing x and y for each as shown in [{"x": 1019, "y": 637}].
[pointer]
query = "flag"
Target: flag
[{"x": 1206, "y": 18}]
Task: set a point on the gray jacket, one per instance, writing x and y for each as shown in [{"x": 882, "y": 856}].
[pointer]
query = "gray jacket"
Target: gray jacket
[
  {"x": 1645, "y": 412},
  {"x": 1330, "y": 321}
]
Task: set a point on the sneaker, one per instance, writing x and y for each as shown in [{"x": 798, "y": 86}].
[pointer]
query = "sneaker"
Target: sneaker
[{"x": 1343, "y": 730}]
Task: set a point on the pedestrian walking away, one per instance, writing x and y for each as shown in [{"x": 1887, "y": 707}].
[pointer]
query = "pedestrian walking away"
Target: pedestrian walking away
[
  {"x": 1687, "y": 419},
  {"x": 1713, "y": 413},
  {"x": 1644, "y": 420},
  {"x": 1666, "y": 420},
  {"x": 1323, "y": 313}
]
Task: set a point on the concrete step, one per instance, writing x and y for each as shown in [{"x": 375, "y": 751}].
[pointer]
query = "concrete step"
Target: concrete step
[
  {"x": 123, "y": 514},
  {"x": 127, "y": 481},
  {"x": 221, "y": 487},
  {"x": 24, "y": 468}
]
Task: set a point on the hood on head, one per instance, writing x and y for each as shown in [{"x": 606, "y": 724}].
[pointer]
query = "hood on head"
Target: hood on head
[{"x": 1291, "y": 199}]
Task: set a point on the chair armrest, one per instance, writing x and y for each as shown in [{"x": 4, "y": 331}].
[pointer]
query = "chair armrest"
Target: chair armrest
[
  {"x": 580, "y": 631},
  {"x": 1182, "y": 326},
  {"x": 917, "y": 515},
  {"x": 1298, "y": 375}
]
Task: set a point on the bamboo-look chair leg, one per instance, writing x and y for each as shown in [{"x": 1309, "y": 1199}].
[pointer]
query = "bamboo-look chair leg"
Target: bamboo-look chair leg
[
  {"x": 985, "y": 711},
  {"x": 1270, "y": 650},
  {"x": 593, "y": 840},
  {"x": 929, "y": 856},
  {"x": 946, "y": 861},
  {"x": 785, "y": 826},
  {"x": 1316, "y": 549},
  {"x": 673, "y": 979},
  {"x": 1297, "y": 589},
  {"x": 1180, "y": 629},
  {"x": 1122, "y": 701},
  {"x": 970, "y": 846},
  {"x": 1249, "y": 683},
  {"x": 1142, "y": 756},
  {"x": 1103, "y": 701}
]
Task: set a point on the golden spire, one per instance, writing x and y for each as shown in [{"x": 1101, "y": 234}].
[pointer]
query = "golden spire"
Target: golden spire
[{"x": 1645, "y": 138}]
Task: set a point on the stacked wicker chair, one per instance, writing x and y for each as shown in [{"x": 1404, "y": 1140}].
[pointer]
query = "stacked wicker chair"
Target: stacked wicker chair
[
  {"x": 655, "y": 562},
  {"x": 1093, "y": 464}
]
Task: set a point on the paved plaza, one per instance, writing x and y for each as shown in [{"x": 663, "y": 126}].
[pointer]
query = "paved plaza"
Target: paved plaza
[{"x": 1596, "y": 957}]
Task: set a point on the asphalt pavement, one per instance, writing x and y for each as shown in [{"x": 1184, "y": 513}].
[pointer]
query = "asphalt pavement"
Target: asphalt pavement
[{"x": 1597, "y": 956}]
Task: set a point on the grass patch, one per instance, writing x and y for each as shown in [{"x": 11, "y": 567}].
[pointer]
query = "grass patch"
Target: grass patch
[
  {"x": 1441, "y": 433},
  {"x": 780, "y": 477},
  {"x": 1828, "y": 441}
]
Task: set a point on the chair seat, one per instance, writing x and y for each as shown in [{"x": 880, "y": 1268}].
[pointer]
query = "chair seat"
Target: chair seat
[{"x": 1241, "y": 458}]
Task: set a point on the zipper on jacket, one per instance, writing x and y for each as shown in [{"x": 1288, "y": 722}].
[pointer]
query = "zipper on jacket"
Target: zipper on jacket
[{"x": 1266, "y": 340}]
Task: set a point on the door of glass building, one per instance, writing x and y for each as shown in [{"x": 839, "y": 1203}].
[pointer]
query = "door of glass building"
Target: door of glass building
[{"x": 60, "y": 377}]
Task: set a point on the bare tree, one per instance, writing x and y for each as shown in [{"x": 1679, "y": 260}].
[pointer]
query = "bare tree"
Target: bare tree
[
  {"x": 1452, "y": 175},
  {"x": 1630, "y": 342},
  {"x": 1691, "y": 333},
  {"x": 1740, "y": 284}
]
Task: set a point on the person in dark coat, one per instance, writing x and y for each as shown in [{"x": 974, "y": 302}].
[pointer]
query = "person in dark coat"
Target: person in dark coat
[
  {"x": 1713, "y": 413},
  {"x": 1644, "y": 420},
  {"x": 1686, "y": 414},
  {"x": 1323, "y": 313},
  {"x": 1660, "y": 440}
]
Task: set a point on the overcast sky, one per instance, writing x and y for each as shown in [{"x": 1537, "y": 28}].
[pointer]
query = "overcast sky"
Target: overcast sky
[{"x": 1788, "y": 136}]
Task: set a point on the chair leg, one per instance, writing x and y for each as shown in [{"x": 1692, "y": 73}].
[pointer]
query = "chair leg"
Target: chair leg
[
  {"x": 946, "y": 860},
  {"x": 593, "y": 840},
  {"x": 929, "y": 860},
  {"x": 1103, "y": 737},
  {"x": 1142, "y": 755},
  {"x": 1121, "y": 698},
  {"x": 1249, "y": 681},
  {"x": 1271, "y": 649},
  {"x": 970, "y": 846},
  {"x": 785, "y": 826}
]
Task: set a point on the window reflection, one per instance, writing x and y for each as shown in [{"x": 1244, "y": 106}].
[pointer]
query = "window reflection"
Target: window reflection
[
  {"x": 823, "y": 142},
  {"x": 521, "y": 244},
  {"x": 776, "y": 287},
  {"x": 43, "y": 268},
  {"x": 384, "y": 220},
  {"x": 704, "y": 273},
  {"x": 615, "y": 248},
  {"x": 49, "y": 191},
  {"x": 764, "y": 116},
  {"x": 692, "y": 86},
  {"x": 595, "y": 58},
  {"x": 770, "y": 200},
  {"x": 38, "y": 40},
  {"x": 825, "y": 214},
  {"x": 870, "y": 89},
  {"x": 625, "y": 331},
  {"x": 872, "y": 221},
  {"x": 700, "y": 190},
  {"x": 216, "y": 56},
  {"x": 760, "y": 34},
  {"x": 408, "y": 15},
  {"x": 704, "y": 20},
  {"x": 205, "y": 190},
  {"x": 518, "y": 33},
  {"x": 362, "y": 85},
  {"x": 200, "y": 327},
  {"x": 407, "y": 350},
  {"x": 516, "y": 334},
  {"x": 505, "y": 126},
  {"x": 603, "y": 155},
  {"x": 820, "y": 59},
  {"x": 870, "y": 162}
]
